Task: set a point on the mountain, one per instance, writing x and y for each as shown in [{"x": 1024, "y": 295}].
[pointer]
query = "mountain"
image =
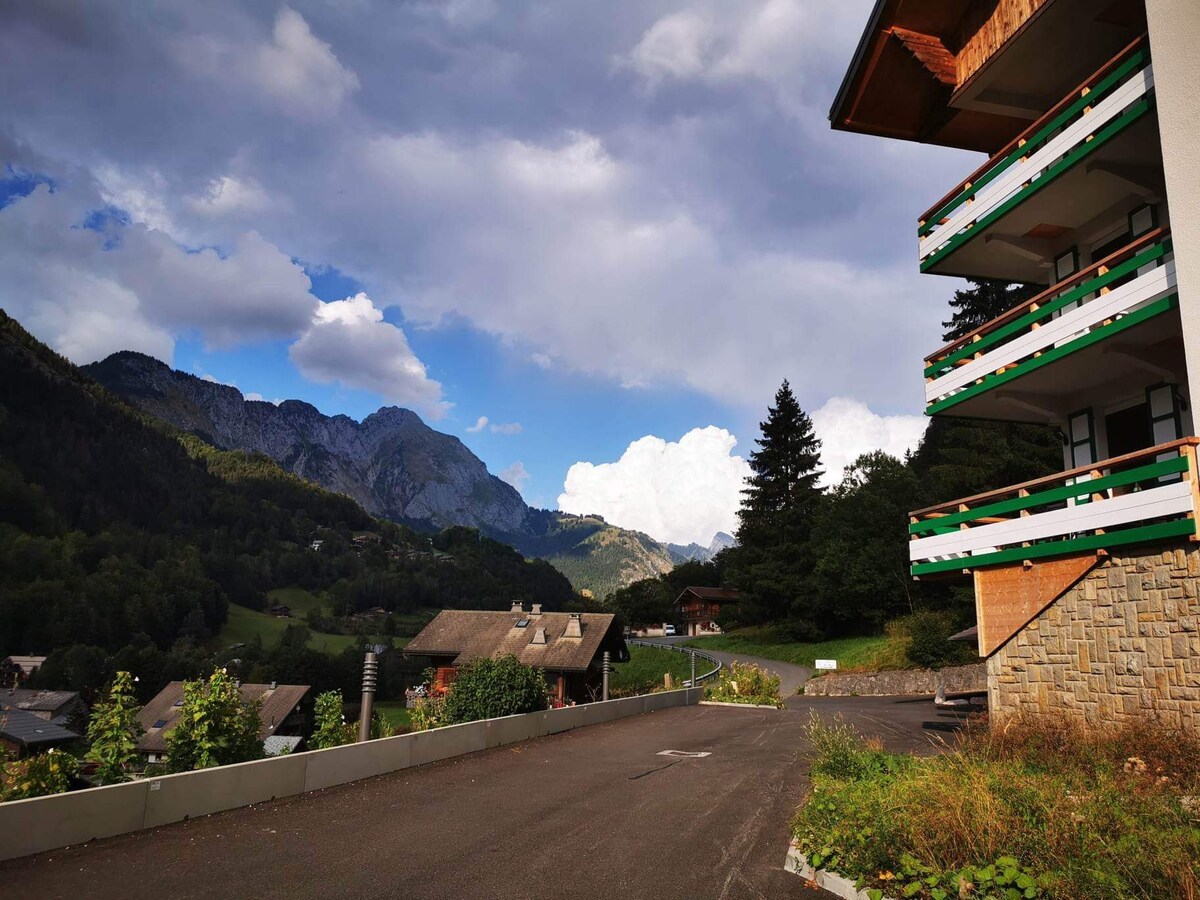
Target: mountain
[
  {"x": 682, "y": 553},
  {"x": 392, "y": 463}
]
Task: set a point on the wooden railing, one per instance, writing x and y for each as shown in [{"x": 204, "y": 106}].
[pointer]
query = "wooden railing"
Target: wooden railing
[
  {"x": 1135, "y": 283},
  {"x": 1099, "y": 109},
  {"x": 1150, "y": 495}
]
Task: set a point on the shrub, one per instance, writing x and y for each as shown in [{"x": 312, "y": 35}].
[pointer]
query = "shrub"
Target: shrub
[
  {"x": 216, "y": 726},
  {"x": 429, "y": 712},
  {"x": 113, "y": 732},
  {"x": 330, "y": 726},
  {"x": 928, "y": 639},
  {"x": 37, "y": 776},
  {"x": 487, "y": 688},
  {"x": 745, "y": 683}
]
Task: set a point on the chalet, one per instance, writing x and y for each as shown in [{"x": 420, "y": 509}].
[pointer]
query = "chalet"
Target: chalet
[
  {"x": 568, "y": 646},
  {"x": 16, "y": 670},
  {"x": 279, "y": 714},
  {"x": 697, "y": 608},
  {"x": 282, "y": 611},
  {"x": 1085, "y": 581},
  {"x": 64, "y": 708},
  {"x": 23, "y": 733}
]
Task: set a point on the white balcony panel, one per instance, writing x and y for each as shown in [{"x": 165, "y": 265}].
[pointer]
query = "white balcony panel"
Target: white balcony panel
[
  {"x": 1145, "y": 289},
  {"x": 1167, "y": 500},
  {"x": 1013, "y": 179}
]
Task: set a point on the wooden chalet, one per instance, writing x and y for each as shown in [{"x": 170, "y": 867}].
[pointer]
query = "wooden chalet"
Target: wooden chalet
[{"x": 697, "y": 608}]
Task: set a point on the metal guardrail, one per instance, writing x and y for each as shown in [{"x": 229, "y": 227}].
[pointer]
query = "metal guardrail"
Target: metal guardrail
[{"x": 700, "y": 654}]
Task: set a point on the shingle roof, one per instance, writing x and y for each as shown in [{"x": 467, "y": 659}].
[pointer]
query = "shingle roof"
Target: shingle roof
[
  {"x": 474, "y": 634},
  {"x": 729, "y": 595},
  {"x": 27, "y": 663},
  {"x": 27, "y": 729},
  {"x": 280, "y": 743},
  {"x": 37, "y": 701},
  {"x": 277, "y": 705}
]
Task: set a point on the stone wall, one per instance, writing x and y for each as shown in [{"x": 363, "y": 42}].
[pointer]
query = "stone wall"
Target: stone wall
[
  {"x": 957, "y": 679},
  {"x": 1121, "y": 645}
]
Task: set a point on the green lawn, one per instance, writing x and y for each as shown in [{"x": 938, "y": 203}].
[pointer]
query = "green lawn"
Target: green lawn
[
  {"x": 855, "y": 653},
  {"x": 646, "y": 668},
  {"x": 243, "y": 624},
  {"x": 394, "y": 713},
  {"x": 298, "y": 599}
]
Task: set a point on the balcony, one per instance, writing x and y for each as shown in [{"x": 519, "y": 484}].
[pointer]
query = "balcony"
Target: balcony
[
  {"x": 1151, "y": 495},
  {"x": 1092, "y": 157},
  {"x": 1060, "y": 350}
]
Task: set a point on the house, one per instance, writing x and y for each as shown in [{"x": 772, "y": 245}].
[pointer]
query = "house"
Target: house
[
  {"x": 281, "y": 611},
  {"x": 569, "y": 647},
  {"x": 697, "y": 608},
  {"x": 64, "y": 708},
  {"x": 1085, "y": 581},
  {"x": 316, "y": 545},
  {"x": 23, "y": 733},
  {"x": 15, "y": 670},
  {"x": 279, "y": 714}
]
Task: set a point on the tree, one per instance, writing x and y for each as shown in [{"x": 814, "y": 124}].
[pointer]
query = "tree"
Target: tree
[
  {"x": 216, "y": 726},
  {"x": 487, "y": 688},
  {"x": 113, "y": 732},
  {"x": 38, "y": 775},
  {"x": 980, "y": 304}
]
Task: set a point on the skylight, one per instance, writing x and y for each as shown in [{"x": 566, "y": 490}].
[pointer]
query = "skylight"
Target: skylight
[{"x": 524, "y": 623}]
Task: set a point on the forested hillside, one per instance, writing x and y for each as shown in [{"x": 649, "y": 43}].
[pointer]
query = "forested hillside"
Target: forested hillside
[{"x": 118, "y": 532}]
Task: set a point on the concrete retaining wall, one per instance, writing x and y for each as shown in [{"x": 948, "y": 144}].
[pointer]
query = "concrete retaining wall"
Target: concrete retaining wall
[
  {"x": 46, "y": 823},
  {"x": 957, "y": 679}
]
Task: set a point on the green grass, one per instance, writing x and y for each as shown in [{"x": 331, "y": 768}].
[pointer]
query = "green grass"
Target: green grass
[
  {"x": 854, "y": 653},
  {"x": 298, "y": 599},
  {"x": 394, "y": 713},
  {"x": 646, "y": 668},
  {"x": 242, "y": 625}
]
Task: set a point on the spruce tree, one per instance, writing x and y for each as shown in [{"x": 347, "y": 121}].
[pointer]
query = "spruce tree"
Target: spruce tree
[{"x": 983, "y": 302}]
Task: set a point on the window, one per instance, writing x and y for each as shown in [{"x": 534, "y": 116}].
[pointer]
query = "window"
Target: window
[
  {"x": 1142, "y": 219},
  {"x": 523, "y": 623},
  {"x": 1066, "y": 264},
  {"x": 1165, "y": 422}
]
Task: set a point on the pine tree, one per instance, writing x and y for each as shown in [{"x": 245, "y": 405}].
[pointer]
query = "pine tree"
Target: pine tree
[
  {"x": 982, "y": 303},
  {"x": 113, "y": 732},
  {"x": 781, "y": 495}
]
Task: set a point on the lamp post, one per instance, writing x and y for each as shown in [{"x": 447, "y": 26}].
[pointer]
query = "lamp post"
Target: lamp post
[
  {"x": 370, "y": 679},
  {"x": 693, "y": 684},
  {"x": 605, "y": 667}
]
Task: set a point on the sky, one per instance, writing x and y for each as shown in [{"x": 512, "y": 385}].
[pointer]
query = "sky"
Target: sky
[{"x": 588, "y": 239}]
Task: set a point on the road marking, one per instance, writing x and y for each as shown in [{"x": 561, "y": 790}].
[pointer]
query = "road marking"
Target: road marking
[{"x": 693, "y": 754}]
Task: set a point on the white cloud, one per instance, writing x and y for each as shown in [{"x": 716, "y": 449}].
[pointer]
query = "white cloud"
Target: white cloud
[
  {"x": 677, "y": 492},
  {"x": 506, "y": 428},
  {"x": 676, "y": 46},
  {"x": 515, "y": 475},
  {"x": 300, "y": 70},
  {"x": 349, "y": 342},
  {"x": 480, "y": 424},
  {"x": 847, "y": 429}
]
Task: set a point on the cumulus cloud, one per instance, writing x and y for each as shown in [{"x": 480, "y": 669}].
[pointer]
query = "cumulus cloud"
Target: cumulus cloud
[
  {"x": 516, "y": 475},
  {"x": 676, "y": 46},
  {"x": 674, "y": 491},
  {"x": 848, "y": 428},
  {"x": 480, "y": 424},
  {"x": 348, "y": 342}
]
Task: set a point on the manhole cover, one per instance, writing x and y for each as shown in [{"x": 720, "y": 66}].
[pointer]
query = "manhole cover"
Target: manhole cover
[{"x": 695, "y": 754}]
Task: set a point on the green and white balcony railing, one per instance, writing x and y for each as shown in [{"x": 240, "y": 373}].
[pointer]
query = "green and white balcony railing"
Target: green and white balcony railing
[
  {"x": 1126, "y": 288},
  {"x": 1147, "y": 496},
  {"x": 1101, "y": 108}
]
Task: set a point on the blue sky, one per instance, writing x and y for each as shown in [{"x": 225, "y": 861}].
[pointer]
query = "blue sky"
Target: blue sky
[{"x": 614, "y": 225}]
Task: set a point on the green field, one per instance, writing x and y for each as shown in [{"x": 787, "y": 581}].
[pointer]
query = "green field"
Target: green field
[
  {"x": 394, "y": 713},
  {"x": 298, "y": 599},
  {"x": 242, "y": 625},
  {"x": 854, "y": 653},
  {"x": 646, "y": 668}
]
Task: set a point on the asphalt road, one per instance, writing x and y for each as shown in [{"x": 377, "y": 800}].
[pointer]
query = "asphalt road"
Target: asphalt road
[
  {"x": 594, "y": 812},
  {"x": 791, "y": 677}
]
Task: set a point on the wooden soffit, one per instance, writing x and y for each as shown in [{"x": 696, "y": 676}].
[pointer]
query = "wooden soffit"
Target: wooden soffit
[{"x": 1007, "y": 598}]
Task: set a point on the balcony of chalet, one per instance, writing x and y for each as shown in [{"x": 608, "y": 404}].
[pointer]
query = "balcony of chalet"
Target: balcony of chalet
[{"x": 1143, "y": 497}]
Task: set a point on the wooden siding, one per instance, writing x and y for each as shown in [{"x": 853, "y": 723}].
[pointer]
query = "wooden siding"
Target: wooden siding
[{"x": 990, "y": 34}]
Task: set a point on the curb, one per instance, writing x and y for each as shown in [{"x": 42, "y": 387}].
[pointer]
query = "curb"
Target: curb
[
  {"x": 797, "y": 863},
  {"x": 737, "y": 705}
]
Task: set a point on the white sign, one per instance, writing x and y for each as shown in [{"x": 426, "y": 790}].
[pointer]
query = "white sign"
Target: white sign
[{"x": 825, "y": 664}]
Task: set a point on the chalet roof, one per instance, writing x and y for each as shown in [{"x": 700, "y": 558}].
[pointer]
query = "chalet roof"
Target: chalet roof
[
  {"x": 51, "y": 702},
  {"x": 28, "y": 664},
  {"x": 721, "y": 595},
  {"x": 28, "y": 730},
  {"x": 476, "y": 634},
  {"x": 277, "y": 704}
]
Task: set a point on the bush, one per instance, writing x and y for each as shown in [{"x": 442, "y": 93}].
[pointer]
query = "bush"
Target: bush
[
  {"x": 37, "y": 776},
  {"x": 216, "y": 727},
  {"x": 113, "y": 732},
  {"x": 1027, "y": 811},
  {"x": 928, "y": 639},
  {"x": 429, "y": 712},
  {"x": 487, "y": 688},
  {"x": 745, "y": 683},
  {"x": 330, "y": 726}
]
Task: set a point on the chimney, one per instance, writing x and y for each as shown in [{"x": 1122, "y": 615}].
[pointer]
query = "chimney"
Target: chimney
[
  {"x": 574, "y": 627},
  {"x": 274, "y": 685},
  {"x": 537, "y": 609},
  {"x": 516, "y": 607},
  {"x": 539, "y": 636}
]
